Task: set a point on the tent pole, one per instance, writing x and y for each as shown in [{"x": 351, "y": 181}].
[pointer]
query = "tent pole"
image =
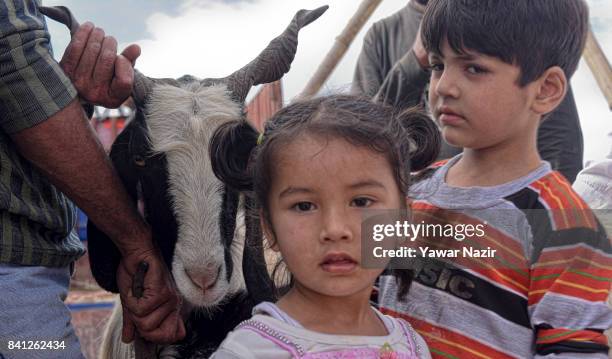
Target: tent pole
[
  {"x": 341, "y": 45},
  {"x": 599, "y": 65}
]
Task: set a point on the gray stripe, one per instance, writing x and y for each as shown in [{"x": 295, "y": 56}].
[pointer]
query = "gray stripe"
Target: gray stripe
[
  {"x": 33, "y": 17},
  {"x": 27, "y": 240},
  {"x": 17, "y": 251},
  {"x": 3, "y": 10},
  {"x": 31, "y": 78},
  {"x": 57, "y": 84},
  {"x": 7, "y": 237},
  {"x": 562, "y": 311},
  {"x": 36, "y": 252},
  {"x": 12, "y": 16}
]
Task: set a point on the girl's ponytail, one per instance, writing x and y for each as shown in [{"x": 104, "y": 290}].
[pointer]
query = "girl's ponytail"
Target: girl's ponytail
[
  {"x": 423, "y": 144},
  {"x": 230, "y": 149}
]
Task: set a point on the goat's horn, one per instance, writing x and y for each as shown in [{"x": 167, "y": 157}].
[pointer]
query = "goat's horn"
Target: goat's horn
[
  {"x": 61, "y": 14},
  {"x": 142, "y": 87},
  {"x": 275, "y": 60}
]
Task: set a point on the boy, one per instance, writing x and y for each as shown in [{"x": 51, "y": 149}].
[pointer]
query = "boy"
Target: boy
[{"x": 498, "y": 67}]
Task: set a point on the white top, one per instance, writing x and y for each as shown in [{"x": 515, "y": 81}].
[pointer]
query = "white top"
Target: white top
[{"x": 244, "y": 342}]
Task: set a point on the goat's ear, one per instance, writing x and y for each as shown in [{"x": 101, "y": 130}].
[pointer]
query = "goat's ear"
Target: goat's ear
[
  {"x": 104, "y": 256},
  {"x": 230, "y": 149},
  {"x": 254, "y": 267}
]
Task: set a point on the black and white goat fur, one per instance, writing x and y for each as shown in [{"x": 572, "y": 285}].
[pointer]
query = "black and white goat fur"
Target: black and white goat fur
[{"x": 163, "y": 158}]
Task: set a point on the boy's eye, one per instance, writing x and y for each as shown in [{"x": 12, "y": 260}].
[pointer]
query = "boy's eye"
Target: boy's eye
[
  {"x": 362, "y": 202},
  {"x": 474, "y": 69},
  {"x": 436, "y": 67},
  {"x": 303, "y": 206}
]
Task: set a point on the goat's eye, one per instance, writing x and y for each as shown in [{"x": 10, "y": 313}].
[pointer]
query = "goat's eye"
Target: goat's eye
[{"x": 139, "y": 161}]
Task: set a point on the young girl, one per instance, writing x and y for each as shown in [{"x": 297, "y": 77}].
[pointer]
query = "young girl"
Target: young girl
[{"x": 317, "y": 166}]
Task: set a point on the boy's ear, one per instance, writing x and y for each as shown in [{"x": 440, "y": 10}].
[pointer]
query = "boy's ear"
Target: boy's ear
[
  {"x": 550, "y": 91},
  {"x": 267, "y": 231}
]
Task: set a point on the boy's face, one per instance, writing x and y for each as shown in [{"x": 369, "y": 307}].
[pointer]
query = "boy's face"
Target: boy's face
[{"x": 477, "y": 101}]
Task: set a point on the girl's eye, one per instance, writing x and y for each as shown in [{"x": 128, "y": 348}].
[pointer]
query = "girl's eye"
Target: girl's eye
[
  {"x": 303, "y": 206},
  {"x": 473, "y": 69},
  {"x": 362, "y": 202}
]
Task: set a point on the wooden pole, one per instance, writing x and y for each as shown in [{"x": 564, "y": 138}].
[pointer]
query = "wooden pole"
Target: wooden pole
[
  {"x": 339, "y": 48},
  {"x": 599, "y": 65}
]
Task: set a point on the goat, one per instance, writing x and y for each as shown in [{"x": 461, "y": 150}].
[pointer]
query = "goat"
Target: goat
[{"x": 163, "y": 159}]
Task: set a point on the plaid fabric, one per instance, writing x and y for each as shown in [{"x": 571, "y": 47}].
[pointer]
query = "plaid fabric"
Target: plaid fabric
[{"x": 36, "y": 220}]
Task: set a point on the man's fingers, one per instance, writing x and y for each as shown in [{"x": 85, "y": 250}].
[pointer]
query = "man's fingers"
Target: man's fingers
[
  {"x": 127, "y": 333},
  {"x": 105, "y": 64},
  {"x": 167, "y": 332},
  {"x": 84, "y": 70},
  {"x": 155, "y": 318},
  {"x": 75, "y": 48},
  {"x": 131, "y": 53},
  {"x": 151, "y": 301},
  {"x": 121, "y": 85},
  {"x": 181, "y": 332}
]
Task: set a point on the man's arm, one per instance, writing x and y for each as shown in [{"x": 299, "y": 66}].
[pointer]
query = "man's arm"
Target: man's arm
[
  {"x": 368, "y": 77},
  {"x": 405, "y": 84},
  {"x": 39, "y": 111},
  {"x": 65, "y": 149}
]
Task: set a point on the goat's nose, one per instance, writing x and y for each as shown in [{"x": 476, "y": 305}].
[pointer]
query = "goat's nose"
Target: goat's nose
[{"x": 205, "y": 279}]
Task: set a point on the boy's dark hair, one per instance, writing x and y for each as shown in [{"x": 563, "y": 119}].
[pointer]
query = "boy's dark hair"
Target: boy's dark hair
[
  {"x": 533, "y": 34},
  {"x": 409, "y": 140}
]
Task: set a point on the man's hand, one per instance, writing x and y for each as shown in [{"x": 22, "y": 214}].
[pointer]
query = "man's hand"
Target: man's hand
[
  {"x": 156, "y": 315},
  {"x": 100, "y": 75}
]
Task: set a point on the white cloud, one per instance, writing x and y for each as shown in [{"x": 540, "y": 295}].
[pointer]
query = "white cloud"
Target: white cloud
[{"x": 213, "y": 39}]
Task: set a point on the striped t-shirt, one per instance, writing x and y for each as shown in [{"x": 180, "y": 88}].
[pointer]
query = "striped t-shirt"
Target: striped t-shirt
[
  {"x": 36, "y": 219},
  {"x": 542, "y": 293}
]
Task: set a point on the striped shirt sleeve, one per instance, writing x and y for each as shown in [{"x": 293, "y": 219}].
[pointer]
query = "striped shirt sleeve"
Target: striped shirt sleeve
[
  {"x": 33, "y": 87},
  {"x": 569, "y": 285}
]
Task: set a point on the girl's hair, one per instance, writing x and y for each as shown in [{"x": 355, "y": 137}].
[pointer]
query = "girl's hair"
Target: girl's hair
[{"x": 409, "y": 140}]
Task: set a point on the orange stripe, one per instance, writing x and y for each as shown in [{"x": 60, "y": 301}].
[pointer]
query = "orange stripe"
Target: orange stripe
[
  {"x": 577, "y": 257},
  {"x": 573, "y": 280}
]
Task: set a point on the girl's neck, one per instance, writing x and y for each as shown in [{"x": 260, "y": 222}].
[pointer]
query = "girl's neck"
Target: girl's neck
[{"x": 332, "y": 315}]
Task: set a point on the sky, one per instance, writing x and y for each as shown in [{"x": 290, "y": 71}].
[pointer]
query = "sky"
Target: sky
[{"x": 213, "y": 38}]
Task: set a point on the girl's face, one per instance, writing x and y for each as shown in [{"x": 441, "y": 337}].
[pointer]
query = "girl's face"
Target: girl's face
[{"x": 320, "y": 187}]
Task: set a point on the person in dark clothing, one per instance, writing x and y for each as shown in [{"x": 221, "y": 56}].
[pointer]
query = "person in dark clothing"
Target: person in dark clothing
[{"x": 393, "y": 68}]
